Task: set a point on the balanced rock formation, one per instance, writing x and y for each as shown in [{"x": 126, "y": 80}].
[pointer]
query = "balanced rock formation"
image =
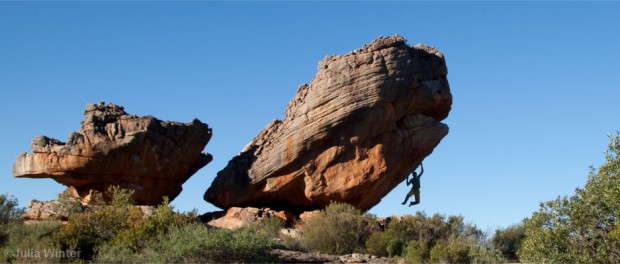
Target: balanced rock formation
[
  {"x": 152, "y": 157},
  {"x": 367, "y": 119}
]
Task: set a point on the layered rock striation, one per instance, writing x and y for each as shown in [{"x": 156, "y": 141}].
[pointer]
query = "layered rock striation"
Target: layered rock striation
[
  {"x": 367, "y": 119},
  {"x": 150, "y": 156}
]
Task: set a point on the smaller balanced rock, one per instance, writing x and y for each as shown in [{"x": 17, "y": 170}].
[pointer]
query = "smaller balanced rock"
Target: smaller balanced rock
[{"x": 152, "y": 157}]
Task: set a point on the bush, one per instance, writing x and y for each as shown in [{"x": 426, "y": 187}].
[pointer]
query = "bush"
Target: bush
[
  {"x": 241, "y": 245},
  {"x": 194, "y": 243},
  {"x": 388, "y": 244},
  {"x": 31, "y": 243},
  {"x": 584, "y": 227},
  {"x": 339, "y": 229},
  {"x": 116, "y": 230},
  {"x": 398, "y": 234},
  {"x": 137, "y": 232},
  {"x": 167, "y": 237},
  {"x": 508, "y": 241},
  {"x": 8, "y": 209},
  {"x": 486, "y": 255},
  {"x": 453, "y": 250},
  {"x": 269, "y": 226},
  {"x": 417, "y": 252},
  {"x": 422, "y": 239},
  {"x": 100, "y": 222},
  {"x": 9, "y": 212}
]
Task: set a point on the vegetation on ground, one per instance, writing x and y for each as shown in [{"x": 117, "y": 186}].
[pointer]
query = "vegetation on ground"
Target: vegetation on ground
[
  {"x": 507, "y": 241},
  {"x": 339, "y": 229},
  {"x": 583, "y": 227},
  {"x": 8, "y": 212},
  {"x": 115, "y": 231},
  {"x": 422, "y": 239}
]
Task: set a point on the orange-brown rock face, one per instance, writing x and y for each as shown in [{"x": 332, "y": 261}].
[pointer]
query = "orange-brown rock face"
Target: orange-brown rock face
[
  {"x": 152, "y": 157},
  {"x": 367, "y": 119}
]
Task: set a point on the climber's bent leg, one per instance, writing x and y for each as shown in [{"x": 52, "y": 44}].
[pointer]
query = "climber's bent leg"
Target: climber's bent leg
[
  {"x": 416, "y": 192},
  {"x": 408, "y": 195}
]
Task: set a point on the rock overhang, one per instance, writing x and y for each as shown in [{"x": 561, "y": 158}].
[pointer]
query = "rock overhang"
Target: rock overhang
[{"x": 365, "y": 121}]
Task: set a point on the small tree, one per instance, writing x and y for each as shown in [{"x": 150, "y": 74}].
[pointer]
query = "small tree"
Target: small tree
[
  {"x": 584, "y": 227},
  {"x": 508, "y": 241},
  {"x": 9, "y": 209},
  {"x": 8, "y": 213}
]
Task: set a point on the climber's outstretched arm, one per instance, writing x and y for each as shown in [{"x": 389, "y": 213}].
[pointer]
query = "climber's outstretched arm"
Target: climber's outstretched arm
[{"x": 422, "y": 171}]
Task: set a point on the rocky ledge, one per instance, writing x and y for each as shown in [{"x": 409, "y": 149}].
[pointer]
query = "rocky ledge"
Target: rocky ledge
[{"x": 289, "y": 256}]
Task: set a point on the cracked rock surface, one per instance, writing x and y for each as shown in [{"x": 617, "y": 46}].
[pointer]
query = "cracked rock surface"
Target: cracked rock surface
[
  {"x": 150, "y": 156},
  {"x": 366, "y": 120}
]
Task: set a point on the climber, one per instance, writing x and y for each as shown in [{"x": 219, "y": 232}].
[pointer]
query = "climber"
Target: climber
[{"x": 415, "y": 188}]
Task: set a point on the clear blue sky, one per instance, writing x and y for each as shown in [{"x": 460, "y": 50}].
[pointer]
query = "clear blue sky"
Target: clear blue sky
[{"x": 536, "y": 85}]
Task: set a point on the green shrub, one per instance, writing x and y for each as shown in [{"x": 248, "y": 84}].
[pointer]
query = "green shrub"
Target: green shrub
[
  {"x": 508, "y": 241},
  {"x": 9, "y": 212},
  {"x": 486, "y": 255},
  {"x": 100, "y": 222},
  {"x": 583, "y": 227},
  {"x": 269, "y": 226},
  {"x": 399, "y": 232},
  {"x": 115, "y": 231},
  {"x": 339, "y": 229},
  {"x": 293, "y": 243},
  {"x": 396, "y": 236},
  {"x": 417, "y": 252},
  {"x": 137, "y": 232},
  {"x": 8, "y": 209},
  {"x": 454, "y": 250},
  {"x": 34, "y": 242},
  {"x": 422, "y": 239},
  {"x": 241, "y": 245},
  {"x": 388, "y": 244},
  {"x": 167, "y": 237},
  {"x": 194, "y": 243}
]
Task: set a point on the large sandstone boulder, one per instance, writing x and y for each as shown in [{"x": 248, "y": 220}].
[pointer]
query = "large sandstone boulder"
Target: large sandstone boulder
[
  {"x": 152, "y": 157},
  {"x": 367, "y": 119}
]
